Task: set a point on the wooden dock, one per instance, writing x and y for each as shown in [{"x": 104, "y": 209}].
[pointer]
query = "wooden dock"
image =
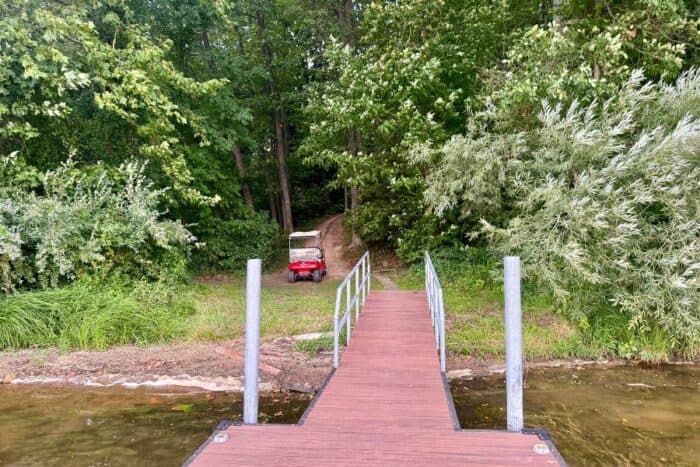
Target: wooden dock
[{"x": 387, "y": 404}]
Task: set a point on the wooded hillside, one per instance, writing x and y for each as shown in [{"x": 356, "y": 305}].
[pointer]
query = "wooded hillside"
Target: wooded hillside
[{"x": 149, "y": 141}]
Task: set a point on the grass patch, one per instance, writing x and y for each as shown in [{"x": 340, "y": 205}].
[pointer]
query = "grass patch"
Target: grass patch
[
  {"x": 89, "y": 316},
  {"x": 286, "y": 310},
  {"x": 97, "y": 316},
  {"x": 320, "y": 344},
  {"x": 473, "y": 295}
]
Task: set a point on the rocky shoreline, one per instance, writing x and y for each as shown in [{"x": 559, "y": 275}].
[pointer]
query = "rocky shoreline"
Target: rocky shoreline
[{"x": 219, "y": 366}]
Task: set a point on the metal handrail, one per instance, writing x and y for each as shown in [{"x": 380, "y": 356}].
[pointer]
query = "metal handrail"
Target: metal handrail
[
  {"x": 437, "y": 307},
  {"x": 362, "y": 273}
]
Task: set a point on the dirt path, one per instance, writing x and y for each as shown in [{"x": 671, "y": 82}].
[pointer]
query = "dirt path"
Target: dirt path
[
  {"x": 332, "y": 236},
  {"x": 386, "y": 282}
]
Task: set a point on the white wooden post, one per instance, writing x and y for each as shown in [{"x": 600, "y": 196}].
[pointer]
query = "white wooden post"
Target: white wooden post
[
  {"x": 514, "y": 344},
  {"x": 252, "y": 341}
]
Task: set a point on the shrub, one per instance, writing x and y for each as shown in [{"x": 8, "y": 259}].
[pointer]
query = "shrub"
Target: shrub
[
  {"x": 230, "y": 243},
  {"x": 81, "y": 223},
  {"x": 604, "y": 206}
]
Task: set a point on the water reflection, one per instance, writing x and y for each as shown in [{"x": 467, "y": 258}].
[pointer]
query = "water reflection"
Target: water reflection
[
  {"x": 620, "y": 416},
  {"x": 57, "y": 425}
]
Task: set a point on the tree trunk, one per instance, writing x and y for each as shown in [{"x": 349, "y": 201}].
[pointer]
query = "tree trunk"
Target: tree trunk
[
  {"x": 354, "y": 147},
  {"x": 206, "y": 45},
  {"x": 245, "y": 188},
  {"x": 283, "y": 171},
  {"x": 558, "y": 18},
  {"x": 345, "y": 15},
  {"x": 271, "y": 197},
  {"x": 279, "y": 127}
]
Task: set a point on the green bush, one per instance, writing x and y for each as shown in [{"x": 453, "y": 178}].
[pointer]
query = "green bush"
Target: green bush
[
  {"x": 86, "y": 315},
  {"x": 82, "y": 223},
  {"x": 228, "y": 244}
]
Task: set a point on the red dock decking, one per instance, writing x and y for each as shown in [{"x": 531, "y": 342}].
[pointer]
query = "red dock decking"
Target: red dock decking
[{"x": 386, "y": 404}]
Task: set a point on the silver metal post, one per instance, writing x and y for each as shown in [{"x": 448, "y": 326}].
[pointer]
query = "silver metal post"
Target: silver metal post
[
  {"x": 369, "y": 275},
  {"x": 252, "y": 341},
  {"x": 348, "y": 324},
  {"x": 514, "y": 344},
  {"x": 436, "y": 316},
  {"x": 364, "y": 279},
  {"x": 431, "y": 290},
  {"x": 442, "y": 332},
  {"x": 357, "y": 294},
  {"x": 336, "y": 331}
]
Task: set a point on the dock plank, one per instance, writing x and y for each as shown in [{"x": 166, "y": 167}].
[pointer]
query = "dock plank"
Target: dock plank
[{"x": 385, "y": 405}]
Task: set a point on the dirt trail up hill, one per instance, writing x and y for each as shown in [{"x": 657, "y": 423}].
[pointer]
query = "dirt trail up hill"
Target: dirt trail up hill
[
  {"x": 332, "y": 235},
  {"x": 332, "y": 238}
]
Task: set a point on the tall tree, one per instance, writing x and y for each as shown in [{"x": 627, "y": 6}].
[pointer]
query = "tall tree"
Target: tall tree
[{"x": 406, "y": 80}]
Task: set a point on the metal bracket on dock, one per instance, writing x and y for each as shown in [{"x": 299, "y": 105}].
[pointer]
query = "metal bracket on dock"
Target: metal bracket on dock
[
  {"x": 541, "y": 433},
  {"x": 225, "y": 424}
]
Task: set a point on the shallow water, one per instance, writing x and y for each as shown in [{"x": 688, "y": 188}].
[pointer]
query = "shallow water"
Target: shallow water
[
  {"x": 619, "y": 416},
  {"x": 67, "y": 425}
]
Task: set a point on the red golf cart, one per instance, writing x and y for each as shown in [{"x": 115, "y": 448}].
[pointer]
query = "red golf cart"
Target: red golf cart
[{"x": 306, "y": 258}]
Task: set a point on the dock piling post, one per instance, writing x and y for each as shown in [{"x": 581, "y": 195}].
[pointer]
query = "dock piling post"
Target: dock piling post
[
  {"x": 514, "y": 343},
  {"x": 252, "y": 341}
]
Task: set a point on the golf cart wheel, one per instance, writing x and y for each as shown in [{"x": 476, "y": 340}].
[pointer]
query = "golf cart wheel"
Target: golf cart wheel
[
  {"x": 317, "y": 275},
  {"x": 292, "y": 277}
]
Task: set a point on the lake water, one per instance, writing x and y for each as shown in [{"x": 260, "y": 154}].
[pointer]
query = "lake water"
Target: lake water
[
  {"x": 620, "y": 416},
  {"x": 77, "y": 426}
]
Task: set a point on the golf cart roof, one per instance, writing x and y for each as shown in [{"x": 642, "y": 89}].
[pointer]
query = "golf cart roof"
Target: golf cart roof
[{"x": 309, "y": 234}]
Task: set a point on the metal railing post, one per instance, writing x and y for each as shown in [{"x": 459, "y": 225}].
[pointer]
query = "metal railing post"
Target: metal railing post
[
  {"x": 369, "y": 274},
  {"x": 336, "y": 331},
  {"x": 364, "y": 280},
  {"x": 442, "y": 332},
  {"x": 514, "y": 343},
  {"x": 436, "y": 305},
  {"x": 357, "y": 294},
  {"x": 252, "y": 341},
  {"x": 348, "y": 323},
  {"x": 361, "y": 275}
]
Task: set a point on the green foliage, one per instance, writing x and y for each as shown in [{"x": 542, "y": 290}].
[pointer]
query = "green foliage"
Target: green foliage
[
  {"x": 230, "y": 243},
  {"x": 321, "y": 344},
  {"x": 89, "y": 316},
  {"x": 602, "y": 202},
  {"x": 587, "y": 54},
  {"x": 69, "y": 64},
  {"x": 405, "y": 82},
  {"x": 82, "y": 224}
]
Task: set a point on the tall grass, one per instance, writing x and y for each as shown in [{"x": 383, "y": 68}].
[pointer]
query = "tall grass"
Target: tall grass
[
  {"x": 89, "y": 316},
  {"x": 473, "y": 294}
]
